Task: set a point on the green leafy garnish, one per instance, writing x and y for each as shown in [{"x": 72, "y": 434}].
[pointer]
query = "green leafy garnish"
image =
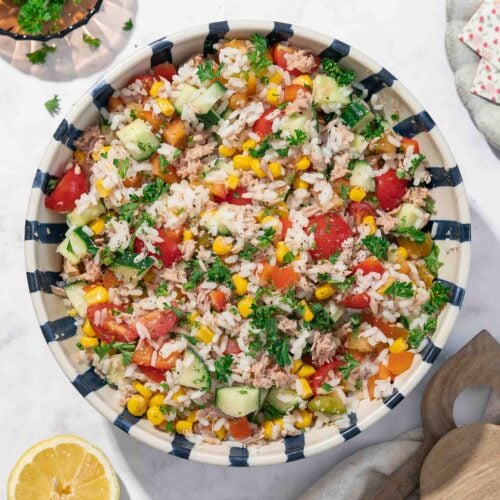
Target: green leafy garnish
[
  {"x": 257, "y": 57},
  {"x": 415, "y": 162},
  {"x": 248, "y": 252},
  {"x": 52, "y": 105},
  {"x": 261, "y": 149},
  {"x": 282, "y": 152},
  {"x": 432, "y": 260},
  {"x": 374, "y": 129},
  {"x": 297, "y": 138},
  {"x": 350, "y": 364},
  {"x": 154, "y": 190},
  {"x": 334, "y": 257},
  {"x": 343, "y": 286},
  {"x": 322, "y": 320},
  {"x": 270, "y": 413},
  {"x": 355, "y": 323},
  {"x": 162, "y": 289},
  {"x": 79, "y": 346},
  {"x": 126, "y": 212},
  {"x": 400, "y": 289},
  {"x": 195, "y": 274},
  {"x": 418, "y": 334},
  {"x": 90, "y": 41},
  {"x": 127, "y": 25},
  {"x": 223, "y": 368},
  {"x": 342, "y": 76},
  {"x": 377, "y": 246},
  {"x": 40, "y": 56},
  {"x": 205, "y": 71},
  {"x": 439, "y": 296},
  {"x": 288, "y": 258},
  {"x": 344, "y": 192},
  {"x": 412, "y": 233},
  {"x": 33, "y": 14},
  {"x": 327, "y": 387},
  {"x": 266, "y": 238},
  {"x": 122, "y": 166},
  {"x": 126, "y": 350},
  {"x": 219, "y": 273}
]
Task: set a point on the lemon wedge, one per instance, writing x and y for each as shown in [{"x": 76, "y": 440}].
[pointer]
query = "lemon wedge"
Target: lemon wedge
[{"x": 61, "y": 467}]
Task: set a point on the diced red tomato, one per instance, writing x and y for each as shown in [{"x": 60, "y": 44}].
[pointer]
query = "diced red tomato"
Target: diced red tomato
[
  {"x": 357, "y": 301},
  {"x": 235, "y": 197},
  {"x": 369, "y": 265},
  {"x": 232, "y": 347},
  {"x": 406, "y": 143},
  {"x": 143, "y": 356},
  {"x": 165, "y": 70},
  {"x": 155, "y": 374},
  {"x": 284, "y": 277},
  {"x": 322, "y": 373},
  {"x": 267, "y": 272},
  {"x": 106, "y": 325},
  {"x": 286, "y": 224},
  {"x": 69, "y": 188},
  {"x": 390, "y": 190},
  {"x": 359, "y": 210},
  {"x": 330, "y": 230},
  {"x": 279, "y": 52},
  {"x": 173, "y": 234},
  {"x": 146, "y": 79},
  {"x": 218, "y": 300},
  {"x": 168, "y": 249},
  {"x": 159, "y": 323},
  {"x": 240, "y": 428},
  {"x": 219, "y": 191},
  {"x": 291, "y": 92},
  {"x": 263, "y": 126}
]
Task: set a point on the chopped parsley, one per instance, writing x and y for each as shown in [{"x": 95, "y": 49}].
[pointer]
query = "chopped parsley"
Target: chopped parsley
[
  {"x": 95, "y": 43},
  {"x": 219, "y": 273},
  {"x": 266, "y": 238},
  {"x": 439, "y": 296},
  {"x": 415, "y": 162},
  {"x": 40, "y": 56},
  {"x": 343, "y": 286},
  {"x": 261, "y": 149},
  {"x": 170, "y": 426},
  {"x": 334, "y": 257},
  {"x": 162, "y": 289},
  {"x": 257, "y": 57},
  {"x": 322, "y": 320},
  {"x": 432, "y": 261},
  {"x": 355, "y": 323},
  {"x": 350, "y": 364},
  {"x": 195, "y": 274},
  {"x": 192, "y": 340},
  {"x": 282, "y": 152},
  {"x": 374, "y": 129},
  {"x": 205, "y": 71},
  {"x": 154, "y": 190},
  {"x": 128, "y": 25},
  {"x": 418, "y": 334},
  {"x": 341, "y": 76},
  {"x": 394, "y": 117},
  {"x": 412, "y": 233},
  {"x": 377, "y": 246},
  {"x": 126, "y": 350},
  {"x": 248, "y": 252},
  {"x": 33, "y": 14},
  {"x": 79, "y": 346},
  {"x": 288, "y": 258},
  {"x": 297, "y": 138},
  {"x": 429, "y": 204},
  {"x": 344, "y": 192},
  {"x": 223, "y": 368},
  {"x": 400, "y": 289},
  {"x": 270, "y": 413},
  {"x": 126, "y": 212},
  {"x": 122, "y": 166},
  {"x": 327, "y": 387},
  {"x": 53, "y": 105}
]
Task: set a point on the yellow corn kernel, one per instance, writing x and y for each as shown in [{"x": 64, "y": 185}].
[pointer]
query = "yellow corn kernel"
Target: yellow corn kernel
[
  {"x": 155, "y": 416},
  {"x": 79, "y": 156},
  {"x": 260, "y": 216},
  {"x": 306, "y": 312},
  {"x": 87, "y": 329},
  {"x": 242, "y": 161},
  {"x": 282, "y": 209},
  {"x": 279, "y": 421},
  {"x": 183, "y": 427},
  {"x": 324, "y": 292},
  {"x": 72, "y": 312},
  {"x": 357, "y": 194},
  {"x": 240, "y": 284},
  {"x": 383, "y": 288},
  {"x": 96, "y": 295},
  {"x": 88, "y": 341},
  {"x": 192, "y": 318},
  {"x": 369, "y": 220},
  {"x": 205, "y": 334},
  {"x": 273, "y": 96},
  {"x": 245, "y": 306},
  {"x": 403, "y": 252},
  {"x": 101, "y": 190},
  {"x": 306, "y": 371},
  {"x": 97, "y": 155},
  {"x": 187, "y": 234},
  {"x": 306, "y": 389},
  {"x": 155, "y": 89},
  {"x": 165, "y": 106},
  {"x": 232, "y": 182},
  {"x": 276, "y": 78},
  {"x": 97, "y": 226},
  {"x": 399, "y": 345},
  {"x": 248, "y": 144},
  {"x": 226, "y": 151},
  {"x": 137, "y": 405},
  {"x": 267, "y": 427},
  {"x": 296, "y": 365},
  {"x": 298, "y": 183},
  {"x": 221, "y": 246},
  {"x": 156, "y": 399},
  {"x": 256, "y": 168},
  {"x": 305, "y": 419},
  {"x": 303, "y": 80},
  {"x": 178, "y": 394},
  {"x": 303, "y": 164},
  {"x": 220, "y": 434},
  {"x": 281, "y": 251},
  {"x": 275, "y": 169},
  {"x": 142, "y": 390},
  {"x": 269, "y": 219},
  {"x": 193, "y": 416}
]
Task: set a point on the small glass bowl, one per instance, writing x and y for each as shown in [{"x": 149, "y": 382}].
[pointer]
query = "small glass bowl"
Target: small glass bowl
[{"x": 73, "y": 16}]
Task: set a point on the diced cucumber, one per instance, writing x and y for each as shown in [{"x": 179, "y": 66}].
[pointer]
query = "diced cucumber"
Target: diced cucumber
[
  {"x": 214, "y": 222},
  {"x": 185, "y": 95},
  {"x": 336, "y": 311},
  {"x": 207, "y": 100},
  {"x": 76, "y": 246},
  {"x": 283, "y": 399},
  {"x": 327, "y": 91},
  {"x": 327, "y": 403},
  {"x": 237, "y": 401},
  {"x": 139, "y": 139},
  {"x": 362, "y": 176},
  {"x": 125, "y": 266},
  {"x": 359, "y": 143},
  {"x": 76, "y": 220},
  {"x": 209, "y": 119},
  {"x": 194, "y": 372},
  {"x": 291, "y": 124},
  {"x": 76, "y": 295},
  {"x": 357, "y": 116},
  {"x": 410, "y": 215}
]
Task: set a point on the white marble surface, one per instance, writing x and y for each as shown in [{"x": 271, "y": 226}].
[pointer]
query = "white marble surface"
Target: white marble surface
[{"x": 36, "y": 400}]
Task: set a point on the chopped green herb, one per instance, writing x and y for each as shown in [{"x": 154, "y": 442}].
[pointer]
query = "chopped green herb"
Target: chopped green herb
[
  {"x": 218, "y": 272},
  {"x": 342, "y": 77},
  {"x": 343, "y": 286},
  {"x": 170, "y": 426},
  {"x": 432, "y": 260},
  {"x": 415, "y": 234},
  {"x": 288, "y": 258},
  {"x": 40, "y": 56},
  {"x": 344, "y": 192},
  {"x": 79, "y": 346},
  {"x": 192, "y": 340},
  {"x": 282, "y": 152},
  {"x": 34, "y": 14},
  {"x": 248, "y": 252},
  {"x": 195, "y": 274},
  {"x": 358, "y": 385},
  {"x": 154, "y": 190},
  {"x": 126, "y": 212},
  {"x": 322, "y": 320},
  {"x": 377, "y": 246},
  {"x": 126, "y": 350},
  {"x": 394, "y": 117},
  {"x": 415, "y": 162},
  {"x": 351, "y": 364},
  {"x": 400, "y": 289},
  {"x": 223, "y": 368},
  {"x": 270, "y": 413},
  {"x": 53, "y": 105},
  {"x": 90, "y": 41},
  {"x": 297, "y": 138},
  {"x": 429, "y": 204},
  {"x": 374, "y": 129},
  {"x": 266, "y": 238},
  {"x": 418, "y": 334},
  {"x": 257, "y": 57},
  {"x": 127, "y": 25},
  {"x": 162, "y": 289},
  {"x": 334, "y": 257},
  {"x": 439, "y": 296},
  {"x": 122, "y": 166},
  {"x": 261, "y": 149},
  {"x": 205, "y": 71},
  {"x": 327, "y": 387},
  {"x": 355, "y": 323}
]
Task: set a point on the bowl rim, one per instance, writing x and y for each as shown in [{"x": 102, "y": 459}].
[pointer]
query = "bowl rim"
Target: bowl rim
[
  {"x": 296, "y": 449},
  {"x": 58, "y": 34}
]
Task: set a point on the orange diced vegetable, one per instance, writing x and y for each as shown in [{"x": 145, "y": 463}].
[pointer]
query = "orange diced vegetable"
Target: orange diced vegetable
[
  {"x": 175, "y": 134},
  {"x": 240, "y": 428},
  {"x": 166, "y": 173},
  {"x": 416, "y": 250},
  {"x": 400, "y": 362}
]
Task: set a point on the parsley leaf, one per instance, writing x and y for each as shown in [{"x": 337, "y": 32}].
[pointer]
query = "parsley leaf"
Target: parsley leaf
[
  {"x": 162, "y": 289},
  {"x": 52, "y": 105},
  {"x": 248, "y": 252},
  {"x": 416, "y": 335},
  {"x": 90, "y": 41},
  {"x": 439, "y": 296},
  {"x": 126, "y": 212},
  {"x": 374, "y": 129},
  {"x": 332, "y": 69},
  {"x": 432, "y": 260},
  {"x": 282, "y": 152},
  {"x": 122, "y": 166},
  {"x": 219, "y": 273},
  {"x": 223, "y": 368},
  {"x": 259, "y": 42},
  {"x": 297, "y": 138},
  {"x": 400, "y": 289},
  {"x": 322, "y": 320},
  {"x": 377, "y": 246},
  {"x": 288, "y": 258},
  {"x": 154, "y": 190},
  {"x": 261, "y": 149},
  {"x": 415, "y": 162},
  {"x": 415, "y": 234},
  {"x": 351, "y": 363},
  {"x": 33, "y": 14},
  {"x": 334, "y": 257},
  {"x": 128, "y": 25},
  {"x": 327, "y": 387},
  {"x": 195, "y": 274},
  {"x": 266, "y": 238},
  {"x": 205, "y": 71},
  {"x": 40, "y": 56},
  {"x": 257, "y": 57},
  {"x": 126, "y": 350},
  {"x": 343, "y": 286},
  {"x": 355, "y": 323}
]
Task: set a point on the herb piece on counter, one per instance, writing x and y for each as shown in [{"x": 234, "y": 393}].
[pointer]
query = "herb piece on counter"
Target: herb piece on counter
[
  {"x": 90, "y": 41},
  {"x": 128, "y": 25},
  {"x": 40, "y": 56},
  {"x": 53, "y": 105}
]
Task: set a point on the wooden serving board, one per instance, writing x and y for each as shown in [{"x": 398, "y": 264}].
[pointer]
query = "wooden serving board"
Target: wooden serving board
[{"x": 468, "y": 455}]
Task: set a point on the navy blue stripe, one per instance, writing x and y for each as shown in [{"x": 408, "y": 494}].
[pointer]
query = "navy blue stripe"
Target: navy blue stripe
[
  {"x": 162, "y": 51},
  {"x": 440, "y": 177},
  {"x": 88, "y": 382},
  {"x": 101, "y": 93},
  {"x": 67, "y": 133},
  {"x": 41, "y": 180},
  {"x": 216, "y": 31},
  {"x": 44, "y": 232},
  {"x": 394, "y": 399},
  {"x": 238, "y": 456},
  {"x": 448, "y": 230},
  {"x": 353, "y": 429},
  {"x": 430, "y": 352},
  {"x": 281, "y": 32},
  {"x": 42, "y": 281},
  {"x": 375, "y": 83},
  {"x": 60, "y": 329},
  {"x": 294, "y": 447},
  {"x": 125, "y": 420},
  {"x": 336, "y": 51},
  {"x": 457, "y": 292},
  {"x": 413, "y": 125},
  {"x": 181, "y": 447}
]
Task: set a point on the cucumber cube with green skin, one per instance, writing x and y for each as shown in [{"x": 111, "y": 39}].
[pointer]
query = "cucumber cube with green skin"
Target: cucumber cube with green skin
[
  {"x": 125, "y": 266},
  {"x": 89, "y": 214},
  {"x": 139, "y": 139},
  {"x": 283, "y": 399},
  {"x": 327, "y": 403},
  {"x": 186, "y": 93},
  {"x": 76, "y": 295},
  {"x": 327, "y": 91},
  {"x": 357, "y": 116},
  {"x": 194, "y": 373},
  {"x": 207, "y": 100},
  {"x": 363, "y": 176},
  {"x": 76, "y": 246},
  {"x": 410, "y": 215},
  {"x": 237, "y": 401}
]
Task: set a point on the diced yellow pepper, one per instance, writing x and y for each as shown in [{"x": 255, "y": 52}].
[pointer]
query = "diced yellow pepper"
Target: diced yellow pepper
[
  {"x": 97, "y": 226},
  {"x": 142, "y": 390},
  {"x": 154, "y": 415},
  {"x": 369, "y": 220},
  {"x": 155, "y": 89},
  {"x": 192, "y": 318},
  {"x": 88, "y": 341},
  {"x": 275, "y": 169},
  {"x": 248, "y": 144},
  {"x": 226, "y": 151},
  {"x": 240, "y": 284},
  {"x": 165, "y": 106},
  {"x": 87, "y": 329},
  {"x": 281, "y": 251},
  {"x": 276, "y": 78},
  {"x": 101, "y": 190},
  {"x": 267, "y": 427},
  {"x": 303, "y": 80},
  {"x": 193, "y": 416},
  {"x": 205, "y": 334},
  {"x": 303, "y": 164},
  {"x": 242, "y": 161},
  {"x": 399, "y": 345},
  {"x": 305, "y": 419},
  {"x": 232, "y": 182},
  {"x": 96, "y": 295},
  {"x": 357, "y": 194},
  {"x": 298, "y": 183},
  {"x": 324, "y": 292},
  {"x": 256, "y": 168},
  {"x": 245, "y": 306},
  {"x": 273, "y": 96},
  {"x": 137, "y": 405},
  {"x": 220, "y": 434},
  {"x": 306, "y": 371},
  {"x": 183, "y": 427},
  {"x": 187, "y": 234},
  {"x": 221, "y": 246},
  {"x": 306, "y": 389},
  {"x": 306, "y": 312},
  {"x": 296, "y": 365}
]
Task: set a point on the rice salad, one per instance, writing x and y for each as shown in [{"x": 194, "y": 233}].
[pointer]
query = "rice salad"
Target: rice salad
[{"x": 246, "y": 255}]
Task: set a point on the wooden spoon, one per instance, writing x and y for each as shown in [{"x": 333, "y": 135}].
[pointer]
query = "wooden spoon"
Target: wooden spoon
[{"x": 477, "y": 363}]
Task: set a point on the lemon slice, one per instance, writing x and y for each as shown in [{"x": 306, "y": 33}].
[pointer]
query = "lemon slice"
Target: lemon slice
[{"x": 63, "y": 467}]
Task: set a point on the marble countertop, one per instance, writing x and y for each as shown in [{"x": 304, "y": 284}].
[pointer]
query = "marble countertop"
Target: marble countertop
[{"x": 36, "y": 399}]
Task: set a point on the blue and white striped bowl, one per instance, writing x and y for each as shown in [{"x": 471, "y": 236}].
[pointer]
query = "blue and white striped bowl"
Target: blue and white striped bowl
[{"x": 450, "y": 227}]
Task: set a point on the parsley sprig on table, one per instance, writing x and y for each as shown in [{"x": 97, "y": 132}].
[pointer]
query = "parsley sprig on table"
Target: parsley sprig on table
[
  {"x": 53, "y": 105},
  {"x": 90, "y": 41},
  {"x": 40, "y": 56}
]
